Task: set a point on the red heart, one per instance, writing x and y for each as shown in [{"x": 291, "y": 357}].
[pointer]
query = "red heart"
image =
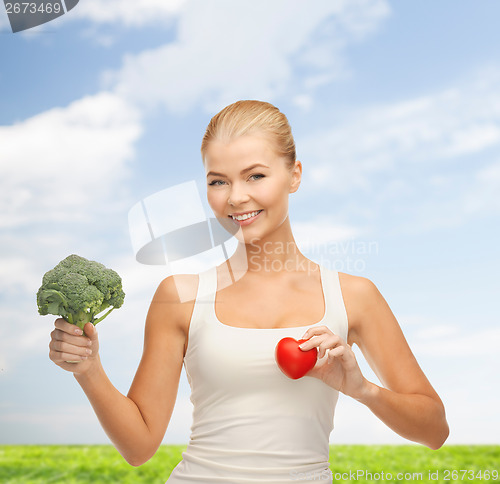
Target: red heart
[{"x": 292, "y": 361}]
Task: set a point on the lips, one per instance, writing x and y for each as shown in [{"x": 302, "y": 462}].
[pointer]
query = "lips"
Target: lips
[
  {"x": 240, "y": 217},
  {"x": 245, "y": 218}
]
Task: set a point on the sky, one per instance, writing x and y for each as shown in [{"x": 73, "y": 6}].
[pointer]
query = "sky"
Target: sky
[{"x": 395, "y": 109}]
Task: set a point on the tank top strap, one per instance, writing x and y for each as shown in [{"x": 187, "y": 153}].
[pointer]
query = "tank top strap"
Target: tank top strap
[
  {"x": 335, "y": 308},
  {"x": 205, "y": 298},
  {"x": 207, "y": 285}
]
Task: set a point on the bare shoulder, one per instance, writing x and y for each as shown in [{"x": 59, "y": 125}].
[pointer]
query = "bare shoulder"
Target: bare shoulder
[
  {"x": 173, "y": 303},
  {"x": 359, "y": 284},
  {"x": 179, "y": 288},
  {"x": 359, "y": 289},
  {"x": 361, "y": 297}
]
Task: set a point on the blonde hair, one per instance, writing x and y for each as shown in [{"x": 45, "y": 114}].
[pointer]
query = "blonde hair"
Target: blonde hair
[{"x": 252, "y": 117}]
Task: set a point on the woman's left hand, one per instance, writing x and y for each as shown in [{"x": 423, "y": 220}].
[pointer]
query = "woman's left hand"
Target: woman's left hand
[{"x": 339, "y": 369}]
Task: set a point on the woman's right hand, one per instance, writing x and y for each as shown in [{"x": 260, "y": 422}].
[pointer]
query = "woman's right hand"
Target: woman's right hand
[{"x": 71, "y": 348}]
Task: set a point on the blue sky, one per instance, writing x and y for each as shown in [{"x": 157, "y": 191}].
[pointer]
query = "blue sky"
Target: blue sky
[{"x": 395, "y": 108}]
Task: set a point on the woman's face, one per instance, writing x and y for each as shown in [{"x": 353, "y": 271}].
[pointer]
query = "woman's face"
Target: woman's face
[{"x": 248, "y": 185}]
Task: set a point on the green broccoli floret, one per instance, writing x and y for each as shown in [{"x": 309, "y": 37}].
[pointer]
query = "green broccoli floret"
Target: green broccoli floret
[{"x": 79, "y": 290}]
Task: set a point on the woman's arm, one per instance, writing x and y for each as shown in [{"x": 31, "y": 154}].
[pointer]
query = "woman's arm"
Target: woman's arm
[
  {"x": 135, "y": 423},
  {"x": 407, "y": 404}
]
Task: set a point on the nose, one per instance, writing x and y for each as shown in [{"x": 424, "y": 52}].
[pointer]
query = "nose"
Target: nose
[{"x": 238, "y": 194}]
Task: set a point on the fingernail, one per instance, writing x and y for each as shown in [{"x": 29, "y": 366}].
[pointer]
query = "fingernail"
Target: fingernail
[
  {"x": 83, "y": 357},
  {"x": 301, "y": 346},
  {"x": 88, "y": 351},
  {"x": 78, "y": 331}
]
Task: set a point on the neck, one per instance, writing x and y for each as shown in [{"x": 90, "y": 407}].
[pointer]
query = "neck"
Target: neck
[{"x": 274, "y": 254}]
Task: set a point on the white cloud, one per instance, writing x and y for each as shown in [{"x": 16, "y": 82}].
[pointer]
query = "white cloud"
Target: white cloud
[
  {"x": 129, "y": 13},
  {"x": 483, "y": 194},
  {"x": 483, "y": 343},
  {"x": 64, "y": 163},
  {"x": 60, "y": 170},
  {"x": 17, "y": 274},
  {"x": 316, "y": 235},
  {"x": 432, "y": 337},
  {"x": 247, "y": 50},
  {"x": 426, "y": 160},
  {"x": 303, "y": 101},
  {"x": 22, "y": 333},
  {"x": 434, "y": 128}
]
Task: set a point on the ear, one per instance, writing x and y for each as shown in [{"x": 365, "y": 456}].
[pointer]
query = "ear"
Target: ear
[{"x": 296, "y": 176}]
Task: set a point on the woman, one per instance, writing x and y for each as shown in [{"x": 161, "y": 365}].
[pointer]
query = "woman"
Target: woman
[{"x": 250, "y": 422}]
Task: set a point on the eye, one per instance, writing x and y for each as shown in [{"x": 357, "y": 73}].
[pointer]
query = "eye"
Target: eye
[
  {"x": 257, "y": 176},
  {"x": 216, "y": 183}
]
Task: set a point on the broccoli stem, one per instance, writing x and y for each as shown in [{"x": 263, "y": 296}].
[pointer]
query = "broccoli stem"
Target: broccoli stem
[
  {"x": 98, "y": 320},
  {"x": 80, "y": 324}
]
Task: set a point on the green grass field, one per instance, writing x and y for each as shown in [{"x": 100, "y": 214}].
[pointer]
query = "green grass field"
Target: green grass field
[{"x": 79, "y": 464}]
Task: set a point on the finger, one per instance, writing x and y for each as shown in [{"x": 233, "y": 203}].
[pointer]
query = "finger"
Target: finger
[
  {"x": 61, "y": 357},
  {"x": 67, "y": 348},
  {"x": 69, "y": 328},
  {"x": 323, "y": 349},
  {"x": 311, "y": 343},
  {"x": 62, "y": 347},
  {"x": 91, "y": 332},
  {"x": 316, "y": 330},
  {"x": 323, "y": 342},
  {"x": 69, "y": 358},
  {"x": 345, "y": 354},
  {"x": 336, "y": 352},
  {"x": 70, "y": 365},
  {"x": 59, "y": 335},
  {"x": 320, "y": 330},
  {"x": 326, "y": 345}
]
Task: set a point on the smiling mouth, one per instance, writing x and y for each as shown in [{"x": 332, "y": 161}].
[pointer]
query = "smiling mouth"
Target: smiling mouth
[{"x": 245, "y": 216}]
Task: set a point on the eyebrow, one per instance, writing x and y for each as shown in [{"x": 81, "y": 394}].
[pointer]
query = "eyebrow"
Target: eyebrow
[{"x": 242, "y": 172}]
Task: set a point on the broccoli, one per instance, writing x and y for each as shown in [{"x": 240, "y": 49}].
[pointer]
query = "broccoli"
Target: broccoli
[{"x": 79, "y": 290}]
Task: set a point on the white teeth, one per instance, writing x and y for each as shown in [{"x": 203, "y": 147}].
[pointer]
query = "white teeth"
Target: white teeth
[{"x": 245, "y": 216}]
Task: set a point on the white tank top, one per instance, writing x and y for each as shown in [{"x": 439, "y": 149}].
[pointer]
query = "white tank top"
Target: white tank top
[{"x": 251, "y": 423}]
